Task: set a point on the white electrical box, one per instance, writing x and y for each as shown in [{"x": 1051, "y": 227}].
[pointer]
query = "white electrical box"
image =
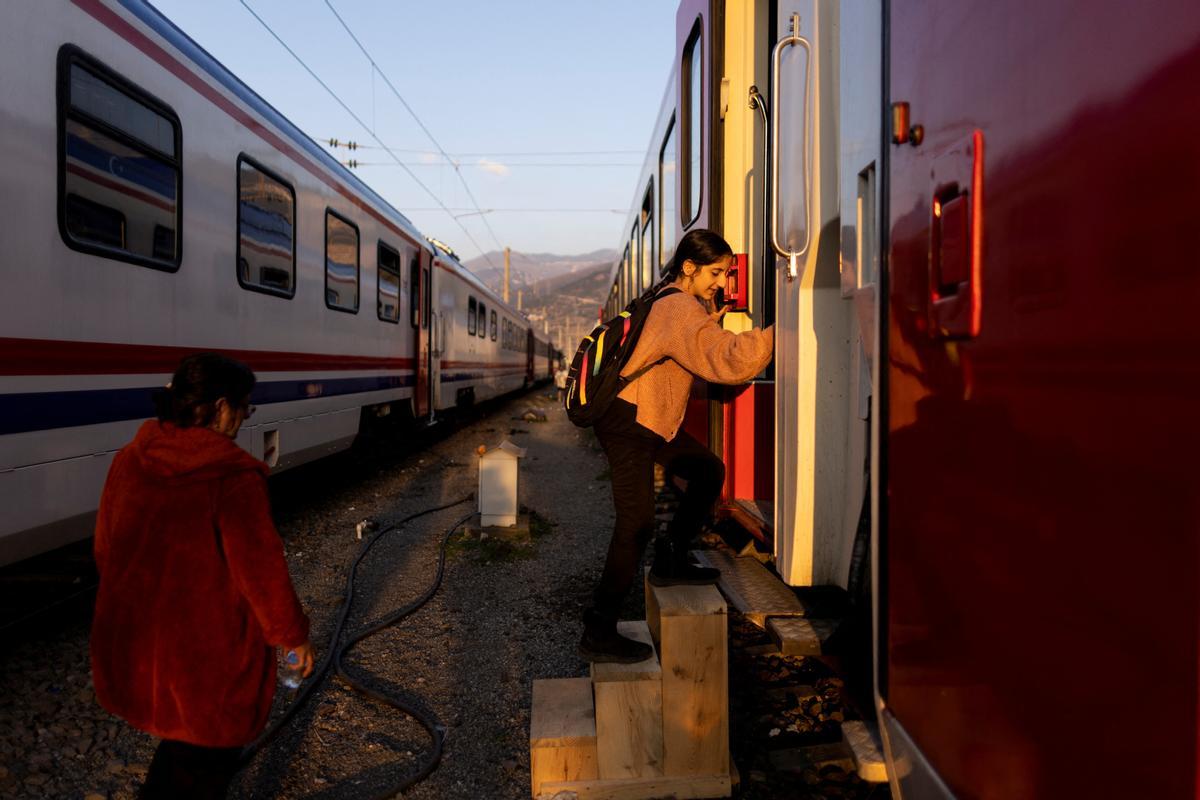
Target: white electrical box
[{"x": 498, "y": 485}]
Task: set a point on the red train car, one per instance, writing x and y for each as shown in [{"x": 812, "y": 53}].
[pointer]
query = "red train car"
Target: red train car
[{"x": 972, "y": 225}]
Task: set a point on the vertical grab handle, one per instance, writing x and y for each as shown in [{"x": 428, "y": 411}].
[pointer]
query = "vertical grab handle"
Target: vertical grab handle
[{"x": 794, "y": 38}]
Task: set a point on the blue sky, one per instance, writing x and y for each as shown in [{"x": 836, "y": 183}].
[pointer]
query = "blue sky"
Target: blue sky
[{"x": 488, "y": 79}]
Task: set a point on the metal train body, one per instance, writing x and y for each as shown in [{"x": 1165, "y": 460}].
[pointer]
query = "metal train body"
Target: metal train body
[
  {"x": 983, "y": 346},
  {"x": 155, "y": 206}
]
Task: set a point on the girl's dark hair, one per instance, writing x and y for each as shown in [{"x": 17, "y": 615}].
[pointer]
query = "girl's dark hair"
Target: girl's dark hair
[
  {"x": 202, "y": 379},
  {"x": 700, "y": 246}
]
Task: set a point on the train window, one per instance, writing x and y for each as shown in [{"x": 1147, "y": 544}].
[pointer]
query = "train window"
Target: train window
[
  {"x": 341, "y": 263},
  {"x": 667, "y": 212},
  {"x": 625, "y": 298},
  {"x": 493, "y": 326},
  {"x": 414, "y": 286},
  {"x": 471, "y": 316},
  {"x": 266, "y": 242},
  {"x": 647, "y": 234},
  {"x": 426, "y": 297},
  {"x": 388, "y": 292},
  {"x": 482, "y": 329},
  {"x": 119, "y": 169},
  {"x": 692, "y": 138},
  {"x": 635, "y": 256}
]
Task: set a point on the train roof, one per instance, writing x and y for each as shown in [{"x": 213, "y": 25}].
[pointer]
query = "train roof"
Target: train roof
[{"x": 168, "y": 30}]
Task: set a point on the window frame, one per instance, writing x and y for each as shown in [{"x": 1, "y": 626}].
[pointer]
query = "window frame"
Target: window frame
[
  {"x": 414, "y": 290},
  {"x": 254, "y": 287},
  {"x": 662, "y": 209},
  {"x": 381, "y": 245},
  {"x": 481, "y": 329},
  {"x": 646, "y": 230},
  {"x": 69, "y": 55},
  {"x": 357, "y": 262},
  {"x": 472, "y": 319},
  {"x": 686, "y": 79},
  {"x": 492, "y": 327}
]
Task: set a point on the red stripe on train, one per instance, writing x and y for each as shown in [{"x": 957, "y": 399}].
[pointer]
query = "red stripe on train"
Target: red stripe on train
[{"x": 56, "y": 357}]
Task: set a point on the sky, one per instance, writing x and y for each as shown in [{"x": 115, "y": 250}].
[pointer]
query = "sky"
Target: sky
[{"x": 489, "y": 80}]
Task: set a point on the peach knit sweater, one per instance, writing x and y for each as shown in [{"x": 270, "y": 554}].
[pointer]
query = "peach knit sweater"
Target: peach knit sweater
[{"x": 696, "y": 346}]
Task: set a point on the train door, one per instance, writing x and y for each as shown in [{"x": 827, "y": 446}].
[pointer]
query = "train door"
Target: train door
[
  {"x": 698, "y": 41},
  {"x": 437, "y": 336},
  {"x": 1040, "y": 547},
  {"x": 813, "y": 320},
  {"x": 418, "y": 308},
  {"x": 529, "y": 356}
]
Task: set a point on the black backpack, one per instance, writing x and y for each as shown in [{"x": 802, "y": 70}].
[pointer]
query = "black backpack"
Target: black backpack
[{"x": 594, "y": 379}]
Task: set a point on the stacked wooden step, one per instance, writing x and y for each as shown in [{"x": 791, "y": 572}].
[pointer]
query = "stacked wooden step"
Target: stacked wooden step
[{"x": 655, "y": 729}]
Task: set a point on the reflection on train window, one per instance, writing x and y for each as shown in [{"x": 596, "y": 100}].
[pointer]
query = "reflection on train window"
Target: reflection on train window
[
  {"x": 414, "y": 287},
  {"x": 647, "y": 220},
  {"x": 119, "y": 194},
  {"x": 693, "y": 103},
  {"x": 341, "y": 263},
  {"x": 667, "y": 212},
  {"x": 482, "y": 321},
  {"x": 635, "y": 260},
  {"x": 493, "y": 326},
  {"x": 471, "y": 316},
  {"x": 388, "y": 267},
  {"x": 95, "y": 222},
  {"x": 266, "y": 243}
]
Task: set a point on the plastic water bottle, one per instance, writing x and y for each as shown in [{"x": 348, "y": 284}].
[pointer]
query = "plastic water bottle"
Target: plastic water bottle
[{"x": 292, "y": 674}]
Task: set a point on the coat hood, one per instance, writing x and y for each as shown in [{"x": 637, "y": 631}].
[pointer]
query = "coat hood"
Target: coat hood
[{"x": 189, "y": 454}]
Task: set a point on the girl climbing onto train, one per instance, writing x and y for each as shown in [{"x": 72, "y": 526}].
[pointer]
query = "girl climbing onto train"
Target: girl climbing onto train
[{"x": 682, "y": 340}]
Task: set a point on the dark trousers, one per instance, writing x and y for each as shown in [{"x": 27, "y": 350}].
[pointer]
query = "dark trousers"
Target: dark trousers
[
  {"x": 632, "y": 452},
  {"x": 182, "y": 771}
]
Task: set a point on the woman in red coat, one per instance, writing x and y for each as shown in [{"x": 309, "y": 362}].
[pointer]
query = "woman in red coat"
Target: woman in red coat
[{"x": 194, "y": 589}]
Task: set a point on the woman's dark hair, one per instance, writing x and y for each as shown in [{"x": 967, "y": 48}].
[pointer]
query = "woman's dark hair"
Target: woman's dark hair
[
  {"x": 700, "y": 246},
  {"x": 190, "y": 398}
]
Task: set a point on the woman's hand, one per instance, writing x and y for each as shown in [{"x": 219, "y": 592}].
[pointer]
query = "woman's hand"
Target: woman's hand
[{"x": 715, "y": 316}]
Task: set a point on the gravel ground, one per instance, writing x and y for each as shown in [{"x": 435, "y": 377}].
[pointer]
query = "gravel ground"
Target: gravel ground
[
  {"x": 501, "y": 620},
  {"x": 504, "y": 617}
]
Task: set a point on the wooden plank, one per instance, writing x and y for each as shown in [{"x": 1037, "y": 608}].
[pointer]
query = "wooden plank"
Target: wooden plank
[
  {"x": 645, "y": 788},
  {"x": 562, "y": 732},
  {"x": 695, "y": 680},
  {"x": 562, "y": 712},
  {"x": 629, "y": 713},
  {"x": 652, "y": 615},
  {"x": 863, "y": 739},
  {"x": 648, "y": 670}
]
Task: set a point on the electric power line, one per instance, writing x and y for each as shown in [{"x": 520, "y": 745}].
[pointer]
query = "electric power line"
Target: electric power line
[
  {"x": 352, "y": 145},
  {"x": 428, "y": 133},
  {"x": 357, "y": 119},
  {"x": 356, "y": 163}
]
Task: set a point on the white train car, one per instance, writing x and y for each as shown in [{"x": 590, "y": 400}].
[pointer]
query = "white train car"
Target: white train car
[{"x": 154, "y": 207}]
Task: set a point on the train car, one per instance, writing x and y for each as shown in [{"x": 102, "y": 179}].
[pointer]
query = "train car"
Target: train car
[
  {"x": 971, "y": 229},
  {"x": 154, "y": 207}
]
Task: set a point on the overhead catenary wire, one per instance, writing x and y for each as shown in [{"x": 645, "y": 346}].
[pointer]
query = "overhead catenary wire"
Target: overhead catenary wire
[
  {"x": 360, "y": 121},
  {"x": 421, "y": 124},
  {"x": 352, "y": 145},
  {"x": 357, "y": 163}
]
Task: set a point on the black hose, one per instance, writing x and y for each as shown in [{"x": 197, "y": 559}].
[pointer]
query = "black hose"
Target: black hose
[{"x": 335, "y": 653}]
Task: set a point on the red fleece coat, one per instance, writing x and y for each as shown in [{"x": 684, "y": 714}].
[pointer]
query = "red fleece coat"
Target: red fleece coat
[{"x": 194, "y": 589}]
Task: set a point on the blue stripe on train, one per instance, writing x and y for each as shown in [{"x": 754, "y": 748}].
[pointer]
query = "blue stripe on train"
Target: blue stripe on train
[{"x": 39, "y": 411}]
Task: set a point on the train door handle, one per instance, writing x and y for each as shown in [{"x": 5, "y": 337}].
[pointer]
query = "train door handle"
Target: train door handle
[{"x": 956, "y": 241}]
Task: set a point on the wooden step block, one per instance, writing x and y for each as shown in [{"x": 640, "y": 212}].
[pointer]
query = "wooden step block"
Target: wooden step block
[
  {"x": 693, "y": 651},
  {"x": 562, "y": 732},
  {"x": 798, "y": 636},
  {"x": 645, "y": 788},
  {"x": 629, "y": 733}
]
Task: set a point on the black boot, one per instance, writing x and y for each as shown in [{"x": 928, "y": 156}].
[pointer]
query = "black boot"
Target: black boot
[
  {"x": 601, "y": 642},
  {"x": 672, "y": 567}
]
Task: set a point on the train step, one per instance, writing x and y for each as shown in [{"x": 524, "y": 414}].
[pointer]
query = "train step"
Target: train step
[
  {"x": 751, "y": 588},
  {"x": 659, "y": 728},
  {"x": 865, "y": 745}
]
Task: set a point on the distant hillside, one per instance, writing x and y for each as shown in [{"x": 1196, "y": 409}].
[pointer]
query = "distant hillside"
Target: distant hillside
[{"x": 561, "y": 293}]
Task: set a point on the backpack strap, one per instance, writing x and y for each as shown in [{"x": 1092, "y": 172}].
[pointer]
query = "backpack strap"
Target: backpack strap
[{"x": 669, "y": 290}]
